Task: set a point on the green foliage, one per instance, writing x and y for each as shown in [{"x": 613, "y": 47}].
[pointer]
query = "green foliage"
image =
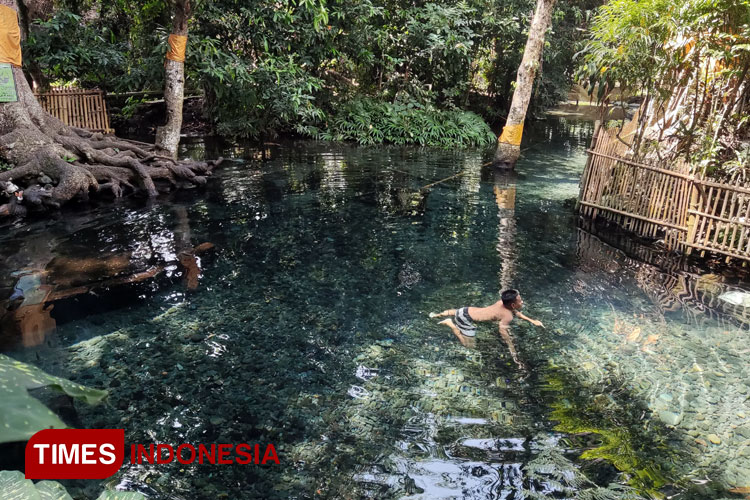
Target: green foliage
[
  {"x": 257, "y": 100},
  {"x": 626, "y": 45},
  {"x": 615, "y": 124},
  {"x": 132, "y": 103},
  {"x": 737, "y": 165},
  {"x": 66, "y": 48},
  {"x": 368, "y": 121},
  {"x": 424, "y": 49},
  {"x": 268, "y": 67},
  {"x": 23, "y": 415},
  {"x": 692, "y": 51},
  {"x": 14, "y": 486}
]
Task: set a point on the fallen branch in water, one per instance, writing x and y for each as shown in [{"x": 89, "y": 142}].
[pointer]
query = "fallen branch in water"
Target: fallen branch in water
[{"x": 442, "y": 180}]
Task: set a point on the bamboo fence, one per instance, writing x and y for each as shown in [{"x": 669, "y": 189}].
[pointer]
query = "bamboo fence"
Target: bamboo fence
[
  {"x": 689, "y": 212},
  {"x": 77, "y": 108}
]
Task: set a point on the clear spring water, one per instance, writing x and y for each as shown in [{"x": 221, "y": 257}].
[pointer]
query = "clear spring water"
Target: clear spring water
[{"x": 307, "y": 327}]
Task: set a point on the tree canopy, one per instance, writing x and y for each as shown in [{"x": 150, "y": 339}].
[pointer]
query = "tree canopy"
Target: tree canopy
[
  {"x": 309, "y": 66},
  {"x": 690, "y": 60}
]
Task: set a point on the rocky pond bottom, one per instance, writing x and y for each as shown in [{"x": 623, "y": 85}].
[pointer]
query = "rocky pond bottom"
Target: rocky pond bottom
[{"x": 288, "y": 304}]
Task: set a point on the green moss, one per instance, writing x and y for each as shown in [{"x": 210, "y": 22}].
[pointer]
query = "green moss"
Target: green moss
[{"x": 613, "y": 430}]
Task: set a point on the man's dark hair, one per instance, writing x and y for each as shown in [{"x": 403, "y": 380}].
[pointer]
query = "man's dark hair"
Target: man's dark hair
[{"x": 509, "y": 297}]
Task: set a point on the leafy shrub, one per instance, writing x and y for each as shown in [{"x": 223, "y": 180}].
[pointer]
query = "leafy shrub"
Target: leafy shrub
[
  {"x": 368, "y": 121},
  {"x": 254, "y": 100},
  {"x": 66, "y": 48}
]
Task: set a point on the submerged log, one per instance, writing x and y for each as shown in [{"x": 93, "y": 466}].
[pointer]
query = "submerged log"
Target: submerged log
[{"x": 26, "y": 317}]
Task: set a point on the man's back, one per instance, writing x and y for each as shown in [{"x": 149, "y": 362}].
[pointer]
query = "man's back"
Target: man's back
[{"x": 495, "y": 312}]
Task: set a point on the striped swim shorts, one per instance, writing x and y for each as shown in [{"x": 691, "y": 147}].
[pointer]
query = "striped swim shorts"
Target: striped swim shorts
[{"x": 464, "y": 322}]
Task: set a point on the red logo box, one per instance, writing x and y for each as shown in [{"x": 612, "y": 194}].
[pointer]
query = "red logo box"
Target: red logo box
[{"x": 75, "y": 453}]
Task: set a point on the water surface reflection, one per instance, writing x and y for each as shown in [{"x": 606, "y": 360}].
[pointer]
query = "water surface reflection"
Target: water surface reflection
[{"x": 288, "y": 302}]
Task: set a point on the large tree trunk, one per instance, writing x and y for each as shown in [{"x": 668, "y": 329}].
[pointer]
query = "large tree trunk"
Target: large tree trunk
[
  {"x": 30, "y": 11},
  {"x": 168, "y": 136},
  {"x": 509, "y": 143},
  {"x": 54, "y": 163}
]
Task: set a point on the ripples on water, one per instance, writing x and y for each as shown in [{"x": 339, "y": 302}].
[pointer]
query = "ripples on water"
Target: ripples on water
[{"x": 288, "y": 302}]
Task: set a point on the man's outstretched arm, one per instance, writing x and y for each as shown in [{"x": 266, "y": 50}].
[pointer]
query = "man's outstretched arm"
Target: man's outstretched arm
[
  {"x": 505, "y": 334},
  {"x": 534, "y": 322}
]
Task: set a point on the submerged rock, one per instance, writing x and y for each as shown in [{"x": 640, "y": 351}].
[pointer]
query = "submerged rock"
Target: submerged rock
[
  {"x": 736, "y": 297},
  {"x": 670, "y": 417}
]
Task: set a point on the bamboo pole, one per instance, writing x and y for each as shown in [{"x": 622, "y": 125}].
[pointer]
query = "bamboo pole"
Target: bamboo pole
[
  {"x": 442, "y": 180},
  {"x": 86, "y": 111},
  {"x": 710, "y": 249},
  {"x": 709, "y": 222},
  {"x": 641, "y": 165},
  {"x": 726, "y": 242},
  {"x": 97, "y": 122},
  {"x": 720, "y": 218},
  {"x": 65, "y": 107},
  {"x": 77, "y": 110},
  {"x": 744, "y": 230},
  {"x": 639, "y": 217},
  {"x": 719, "y": 227},
  {"x": 587, "y": 168}
]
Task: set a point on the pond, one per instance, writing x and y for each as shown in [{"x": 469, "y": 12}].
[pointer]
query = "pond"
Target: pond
[{"x": 288, "y": 303}]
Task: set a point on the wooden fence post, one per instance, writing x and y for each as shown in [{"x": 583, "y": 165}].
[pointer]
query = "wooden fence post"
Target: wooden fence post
[
  {"x": 587, "y": 167},
  {"x": 692, "y": 222}
]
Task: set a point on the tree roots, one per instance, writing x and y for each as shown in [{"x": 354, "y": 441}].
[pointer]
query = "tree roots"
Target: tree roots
[{"x": 74, "y": 162}]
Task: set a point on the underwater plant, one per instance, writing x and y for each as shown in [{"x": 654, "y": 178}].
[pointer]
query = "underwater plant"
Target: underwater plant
[
  {"x": 613, "y": 435},
  {"x": 555, "y": 474}
]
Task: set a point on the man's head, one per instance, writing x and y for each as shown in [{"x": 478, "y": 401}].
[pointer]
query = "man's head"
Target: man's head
[{"x": 512, "y": 299}]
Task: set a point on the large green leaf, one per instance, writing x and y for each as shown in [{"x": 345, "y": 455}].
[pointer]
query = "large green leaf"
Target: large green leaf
[
  {"x": 52, "y": 490},
  {"x": 22, "y": 415},
  {"x": 120, "y": 495},
  {"x": 13, "y": 486}
]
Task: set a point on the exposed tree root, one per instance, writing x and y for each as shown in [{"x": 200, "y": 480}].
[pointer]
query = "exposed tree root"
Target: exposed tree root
[
  {"x": 74, "y": 162},
  {"x": 54, "y": 163}
]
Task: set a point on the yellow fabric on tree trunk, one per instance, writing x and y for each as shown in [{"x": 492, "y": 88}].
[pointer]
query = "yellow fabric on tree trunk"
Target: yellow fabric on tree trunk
[
  {"x": 10, "y": 36},
  {"x": 177, "y": 44},
  {"x": 512, "y": 134}
]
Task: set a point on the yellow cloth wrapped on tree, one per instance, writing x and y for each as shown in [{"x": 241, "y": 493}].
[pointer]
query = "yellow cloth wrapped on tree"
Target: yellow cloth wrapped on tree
[
  {"x": 10, "y": 36},
  {"x": 177, "y": 44},
  {"x": 512, "y": 134}
]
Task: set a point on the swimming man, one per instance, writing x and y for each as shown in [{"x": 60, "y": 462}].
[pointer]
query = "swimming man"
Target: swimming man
[{"x": 462, "y": 321}]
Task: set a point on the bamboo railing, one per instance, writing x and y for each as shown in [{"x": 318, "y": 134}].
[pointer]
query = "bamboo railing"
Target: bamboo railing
[
  {"x": 686, "y": 210},
  {"x": 77, "y": 108}
]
